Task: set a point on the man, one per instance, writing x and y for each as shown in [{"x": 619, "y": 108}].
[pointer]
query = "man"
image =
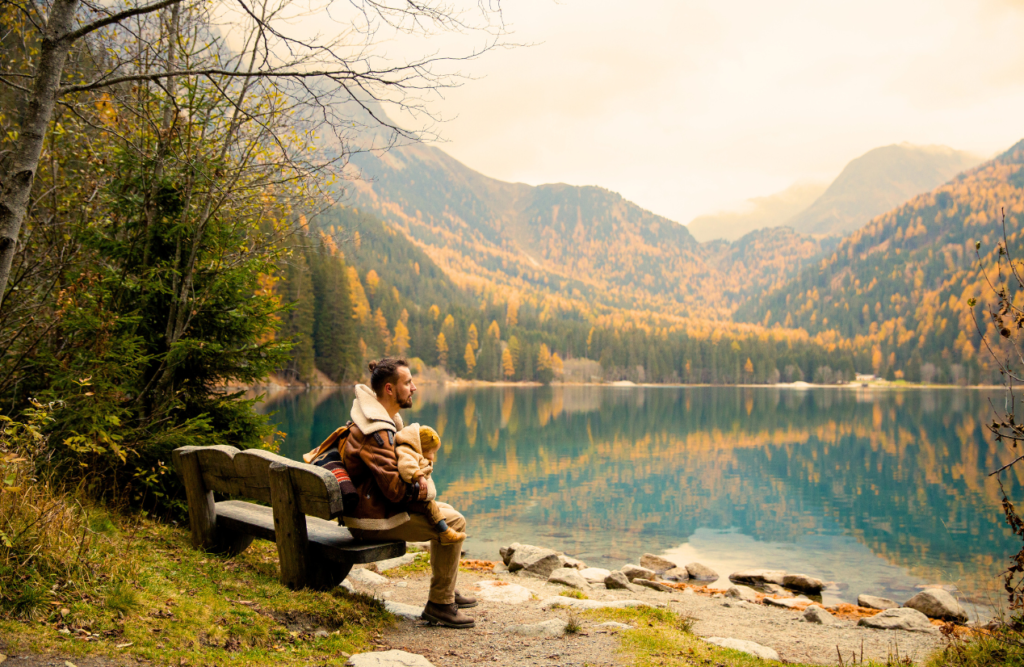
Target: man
[{"x": 370, "y": 459}]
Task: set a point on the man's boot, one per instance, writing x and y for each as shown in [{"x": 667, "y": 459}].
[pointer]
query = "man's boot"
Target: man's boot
[
  {"x": 447, "y": 615},
  {"x": 464, "y": 601}
]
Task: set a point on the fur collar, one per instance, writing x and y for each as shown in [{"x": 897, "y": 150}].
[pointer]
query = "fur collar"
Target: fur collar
[{"x": 369, "y": 415}]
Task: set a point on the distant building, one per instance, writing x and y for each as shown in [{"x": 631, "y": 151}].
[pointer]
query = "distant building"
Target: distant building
[{"x": 863, "y": 377}]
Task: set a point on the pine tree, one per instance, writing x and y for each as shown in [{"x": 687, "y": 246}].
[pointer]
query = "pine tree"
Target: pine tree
[
  {"x": 441, "y": 345},
  {"x": 493, "y": 331},
  {"x": 473, "y": 338},
  {"x": 400, "y": 343},
  {"x": 380, "y": 325},
  {"x": 515, "y": 350},
  {"x": 544, "y": 369},
  {"x": 470, "y": 359},
  {"x": 508, "y": 368}
]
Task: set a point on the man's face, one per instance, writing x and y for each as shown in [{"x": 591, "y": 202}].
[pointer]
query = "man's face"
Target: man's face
[{"x": 404, "y": 388}]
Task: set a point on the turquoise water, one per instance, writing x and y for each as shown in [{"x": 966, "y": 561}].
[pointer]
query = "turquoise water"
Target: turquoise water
[{"x": 876, "y": 491}]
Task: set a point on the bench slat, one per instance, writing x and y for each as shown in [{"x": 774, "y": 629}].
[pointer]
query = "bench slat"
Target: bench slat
[{"x": 326, "y": 538}]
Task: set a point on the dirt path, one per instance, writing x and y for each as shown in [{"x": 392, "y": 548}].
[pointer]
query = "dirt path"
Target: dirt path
[{"x": 781, "y": 629}]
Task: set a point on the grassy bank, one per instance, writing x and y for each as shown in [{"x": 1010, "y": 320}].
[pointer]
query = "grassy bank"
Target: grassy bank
[{"x": 148, "y": 595}]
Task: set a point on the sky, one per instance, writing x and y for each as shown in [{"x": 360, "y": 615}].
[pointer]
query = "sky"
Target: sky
[{"x": 689, "y": 107}]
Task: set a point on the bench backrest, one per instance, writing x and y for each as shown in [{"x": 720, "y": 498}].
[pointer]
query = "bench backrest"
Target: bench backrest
[{"x": 246, "y": 473}]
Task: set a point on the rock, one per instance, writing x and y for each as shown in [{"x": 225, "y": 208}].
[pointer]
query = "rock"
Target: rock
[
  {"x": 595, "y": 575},
  {"x": 688, "y": 591},
  {"x": 755, "y": 577},
  {"x": 347, "y": 585},
  {"x": 614, "y": 625},
  {"x": 788, "y": 603},
  {"x": 554, "y": 627},
  {"x": 742, "y": 593},
  {"x": 616, "y": 580},
  {"x": 502, "y": 591},
  {"x": 739, "y": 604},
  {"x": 752, "y": 648},
  {"x": 406, "y": 611},
  {"x": 573, "y": 603},
  {"x": 392, "y": 658},
  {"x": 534, "y": 560},
  {"x": 775, "y": 589},
  {"x": 392, "y": 563},
  {"x": 567, "y": 561},
  {"x": 701, "y": 572},
  {"x": 815, "y": 614},
  {"x": 505, "y": 555},
  {"x": 676, "y": 574},
  {"x": 568, "y": 576},
  {"x": 360, "y": 575},
  {"x": 500, "y": 568},
  {"x": 635, "y": 572},
  {"x": 875, "y": 602},
  {"x": 898, "y": 619},
  {"x": 803, "y": 583},
  {"x": 321, "y": 633},
  {"x": 656, "y": 564},
  {"x": 656, "y": 585},
  {"x": 937, "y": 603}
]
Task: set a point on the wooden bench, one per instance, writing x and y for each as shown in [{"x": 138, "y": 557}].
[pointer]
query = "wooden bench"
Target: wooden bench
[{"x": 314, "y": 551}]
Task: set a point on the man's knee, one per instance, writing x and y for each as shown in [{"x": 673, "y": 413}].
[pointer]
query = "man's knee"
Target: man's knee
[{"x": 455, "y": 520}]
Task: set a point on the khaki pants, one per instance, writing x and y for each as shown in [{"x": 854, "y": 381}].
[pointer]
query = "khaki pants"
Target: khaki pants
[{"x": 444, "y": 558}]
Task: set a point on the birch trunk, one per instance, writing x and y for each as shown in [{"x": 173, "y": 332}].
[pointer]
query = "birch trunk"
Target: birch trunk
[{"x": 16, "y": 181}]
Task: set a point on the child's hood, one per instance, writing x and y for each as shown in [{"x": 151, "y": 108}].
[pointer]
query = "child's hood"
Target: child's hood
[{"x": 410, "y": 436}]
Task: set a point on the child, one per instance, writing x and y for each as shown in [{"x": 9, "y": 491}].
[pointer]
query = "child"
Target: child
[{"x": 416, "y": 447}]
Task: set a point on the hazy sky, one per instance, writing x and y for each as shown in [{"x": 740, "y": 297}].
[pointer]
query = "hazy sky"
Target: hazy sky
[{"x": 689, "y": 107}]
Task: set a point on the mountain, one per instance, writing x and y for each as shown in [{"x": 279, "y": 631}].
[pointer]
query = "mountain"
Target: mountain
[
  {"x": 584, "y": 249},
  {"x": 877, "y": 181},
  {"x": 757, "y": 213},
  {"x": 899, "y": 285}
]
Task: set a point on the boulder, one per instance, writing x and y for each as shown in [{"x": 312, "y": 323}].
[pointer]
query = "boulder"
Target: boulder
[
  {"x": 392, "y": 563},
  {"x": 656, "y": 564},
  {"x": 656, "y": 585},
  {"x": 534, "y": 560},
  {"x": 595, "y": 575},
  {"x": 701, "y": 572},
  {"x": 742, "y": 593},
  {"x": 875, "y": 602},
  {"x": 360, "y": 575},
  {"x": 815, "y": 614},
  {"x": 568, "y": 576},
  {"x": 788, "y": 603},
  {"x": 753, "y": 648},
  {"x": 756, "y": 577},
  {"x": 567, "y": 561},
  {"x": 554, "y": 627},
  {"x": 502, "y": 591},
  {"x": 573, "y": 603},
  {"x": 616, "y": 581},
  {"x": 635, "y": 572},
  {"x": 392, "y": 658},
  {"x": 803, "y": 583},
  {"x": 507, "y": 552},
  {"x": 406, "y": 611},
  {"x": 676, "y": 574},
  {"x": 937, "y": 603},
  {"x": 775, "y": 589},
  {"x": 898, "y": 619}
]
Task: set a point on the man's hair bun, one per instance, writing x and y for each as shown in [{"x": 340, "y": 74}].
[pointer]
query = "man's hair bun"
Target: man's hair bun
[{"x": 372, "y": 365}]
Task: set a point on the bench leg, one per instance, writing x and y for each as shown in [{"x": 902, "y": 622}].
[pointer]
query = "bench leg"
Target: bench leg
[
  {"x": 323, "y": 575},
  {"x": 289, "y": 527}
]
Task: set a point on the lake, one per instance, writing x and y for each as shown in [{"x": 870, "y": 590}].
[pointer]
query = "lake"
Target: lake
[{"x": 878, "y": 491}]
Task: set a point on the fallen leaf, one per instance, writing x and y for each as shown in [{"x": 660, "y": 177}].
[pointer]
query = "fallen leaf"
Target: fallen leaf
[{"x": 123, "y": 645}]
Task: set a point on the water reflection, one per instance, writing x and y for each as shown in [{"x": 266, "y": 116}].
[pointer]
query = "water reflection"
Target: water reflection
[{"x": 879, "y": 491}]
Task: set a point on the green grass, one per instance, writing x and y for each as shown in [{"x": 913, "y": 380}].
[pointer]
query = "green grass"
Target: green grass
[
  {"x": 419, "y": 566},
  {"x": 663, "y": 638},
  {"x": 573, "y": 593},
  {"x": 171, "y": 604},
  {"x": 995, "y": 649}
]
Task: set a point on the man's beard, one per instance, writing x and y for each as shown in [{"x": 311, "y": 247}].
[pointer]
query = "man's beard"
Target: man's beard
[{"x": 406, "y": 404}]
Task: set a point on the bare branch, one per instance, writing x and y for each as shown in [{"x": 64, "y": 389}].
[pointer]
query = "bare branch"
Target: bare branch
[{"x": 117, "y": 18}]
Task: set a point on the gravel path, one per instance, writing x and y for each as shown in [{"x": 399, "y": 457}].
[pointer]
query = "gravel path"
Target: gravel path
[{"x": 781, "y": 629}]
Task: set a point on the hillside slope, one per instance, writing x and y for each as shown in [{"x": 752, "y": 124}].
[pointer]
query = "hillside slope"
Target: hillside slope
[
  {"x": 901, "y": 283},
  {"x": 877, "y": 181},
  {"x": 584, "y": 244},
  {"x": 757, "y": 213}
]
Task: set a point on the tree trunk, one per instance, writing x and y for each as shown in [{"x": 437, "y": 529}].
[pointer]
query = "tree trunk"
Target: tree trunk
[{"x": 16, "y": 182}]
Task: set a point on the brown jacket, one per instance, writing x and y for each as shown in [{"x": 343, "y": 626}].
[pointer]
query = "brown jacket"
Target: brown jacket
[{"x": 370, "y": 459}]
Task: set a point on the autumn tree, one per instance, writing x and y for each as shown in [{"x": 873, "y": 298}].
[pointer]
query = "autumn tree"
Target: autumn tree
[
  {"x": 400, "y": 342},
  {"x": 472, "y": 337},
  {"x": 441, "y": 345},
  {"x": 470, "y": 359},
  {"x": 508, "y": 368}
]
